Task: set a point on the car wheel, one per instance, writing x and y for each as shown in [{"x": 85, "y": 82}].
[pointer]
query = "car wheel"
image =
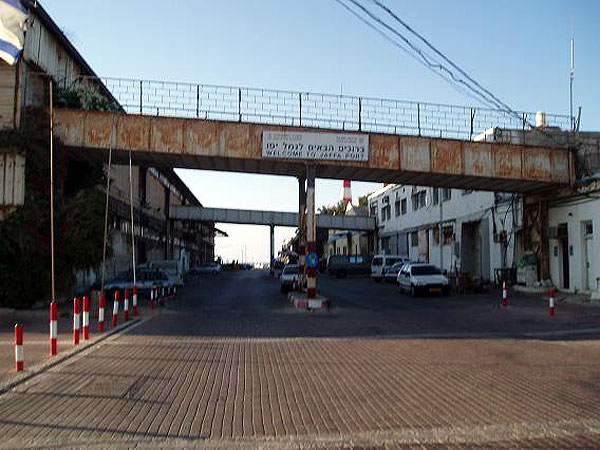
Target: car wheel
[{"x": 377, "y": 280}]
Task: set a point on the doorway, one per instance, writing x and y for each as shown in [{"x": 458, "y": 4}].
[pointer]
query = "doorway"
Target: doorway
[
  {"x": 588, "y": 255},
  {"x": 563, "y": 244}
]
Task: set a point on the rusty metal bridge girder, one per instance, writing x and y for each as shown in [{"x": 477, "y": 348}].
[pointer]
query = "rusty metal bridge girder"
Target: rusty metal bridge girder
[{"x": 232, "y": 146}]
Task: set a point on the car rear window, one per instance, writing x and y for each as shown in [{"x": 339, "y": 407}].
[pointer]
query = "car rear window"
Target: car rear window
[
  {"x": 425, "y": 270},
  {"x": 376, "y": 261}
]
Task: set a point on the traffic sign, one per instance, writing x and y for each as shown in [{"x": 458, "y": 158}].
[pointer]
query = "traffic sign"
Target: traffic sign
[{"x": 312, "y": 260}]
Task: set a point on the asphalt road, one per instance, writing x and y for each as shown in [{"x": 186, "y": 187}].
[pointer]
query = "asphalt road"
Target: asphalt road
[{"x": 230, "y": 364}]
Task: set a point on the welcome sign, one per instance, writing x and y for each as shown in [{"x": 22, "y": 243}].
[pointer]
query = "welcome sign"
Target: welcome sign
[{"x": 317, "y": 146}]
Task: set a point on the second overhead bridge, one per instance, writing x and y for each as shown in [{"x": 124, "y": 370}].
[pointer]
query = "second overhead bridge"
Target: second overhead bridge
[{"x": 275, "y": 218}]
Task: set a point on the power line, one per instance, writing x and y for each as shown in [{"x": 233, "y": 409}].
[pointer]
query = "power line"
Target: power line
[
  {"x": 404, "y": 49},
  {"x": 422, "y": 57},
  {"x": 439, "y": 53}
]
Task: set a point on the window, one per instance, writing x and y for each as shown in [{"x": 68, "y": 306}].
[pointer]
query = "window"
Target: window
[
  {"x": 386, "y": 213},
  {"x": 436, "y": 195},
  {"x": 446, "y": 194},
  {"x": 422, "y": 199},
  {"x": 415, "y": 201},
  {"x": 383, "y": 214},
  {"x": 436, "y": 235},
  {"x": 397, "y": 207},
  {"x": 373, "y": 210},
  {"x": 448, "y": 233},
  {"x": 403, "y": 206},
  {"x": 414, "y": 239}
]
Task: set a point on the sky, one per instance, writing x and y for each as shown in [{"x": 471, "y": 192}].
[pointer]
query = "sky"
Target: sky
[{"x": 518, "y": 50}]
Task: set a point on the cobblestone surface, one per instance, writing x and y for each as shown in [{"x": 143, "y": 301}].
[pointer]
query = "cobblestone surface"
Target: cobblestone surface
[{"x": 166, "y": 382}]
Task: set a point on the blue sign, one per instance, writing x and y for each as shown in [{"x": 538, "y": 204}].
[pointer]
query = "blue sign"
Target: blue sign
[{"x": 312, "y": 260}]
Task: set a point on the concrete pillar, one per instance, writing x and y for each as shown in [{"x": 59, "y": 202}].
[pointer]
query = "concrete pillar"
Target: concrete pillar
[
  {"x": 301, "y": 232},
  {"x": 272, "y": 234},
  {"x": 311, "y": 232}
]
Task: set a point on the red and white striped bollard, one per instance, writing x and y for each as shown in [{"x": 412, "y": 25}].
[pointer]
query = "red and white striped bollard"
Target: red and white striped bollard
[
  {"x": 552, "y": 296},
  {"x": 86, "y": 317},
  {"x": 53, "y": 328},
  {"x": 76, "y": 322},
  {"x": 19, "y": 347},
  {"x": 115, "y": 314},
  {"x": 101, "y": 305},
  {"x": 504, "y": 295},
  {"x": 126, "y": 306},
  {"x": 134, "y": 310}
]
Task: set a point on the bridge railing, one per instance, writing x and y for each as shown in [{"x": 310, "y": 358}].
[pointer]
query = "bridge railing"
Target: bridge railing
[{"x": 343, "y": 112}]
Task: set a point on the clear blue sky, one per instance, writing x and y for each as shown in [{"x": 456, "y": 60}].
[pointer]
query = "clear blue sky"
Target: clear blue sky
[{"x": 519, "y": 50}]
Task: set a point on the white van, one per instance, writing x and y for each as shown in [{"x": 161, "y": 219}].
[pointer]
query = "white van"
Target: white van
[{"x": 381, "y": 263}]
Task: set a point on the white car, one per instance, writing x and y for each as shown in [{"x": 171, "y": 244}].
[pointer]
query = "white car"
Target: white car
[
  {"x": 421, "y": 278},
  {"x": 381, "y": 263},
  {"x": 211, "y": 268},
  {"x": 289, "y": 277}
]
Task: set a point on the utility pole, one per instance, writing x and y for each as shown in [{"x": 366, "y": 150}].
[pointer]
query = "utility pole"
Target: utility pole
[
  {"x": 441, "y": 200},
  {"x": 571, "y": 77}
]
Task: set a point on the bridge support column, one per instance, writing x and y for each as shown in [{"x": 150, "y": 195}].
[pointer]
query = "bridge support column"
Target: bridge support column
[
  {"x": 311, "y": 233},
  {"x": 272, "y": 235},
  {"x": 301, "y": 232}
]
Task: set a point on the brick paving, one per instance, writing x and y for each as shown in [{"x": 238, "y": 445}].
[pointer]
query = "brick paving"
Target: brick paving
[{"x": 168, "y": 382}]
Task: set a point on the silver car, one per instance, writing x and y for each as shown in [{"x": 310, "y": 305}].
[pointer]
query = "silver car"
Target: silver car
[{"x": 421, "y": 278}]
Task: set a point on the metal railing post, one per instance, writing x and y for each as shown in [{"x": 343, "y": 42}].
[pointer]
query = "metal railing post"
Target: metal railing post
[
  {"x": 300, "y": 103},
  {"x": 197, "y": 101},
  {"x": 141, "y": 93},
  {"x": 359, "y": 114},
  {"x": 239, "y": 104},
  {"x": 419, "y": 118},
  {"x": 472, "y": 118}
]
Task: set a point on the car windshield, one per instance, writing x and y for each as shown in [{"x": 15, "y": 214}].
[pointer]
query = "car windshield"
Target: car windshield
[
  {"x": 425, "y": 270},
  {"x": 290, "y": 270}
]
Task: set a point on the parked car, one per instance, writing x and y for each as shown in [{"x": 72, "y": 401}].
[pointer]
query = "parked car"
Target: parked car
[
  {"x": 146, "y": 279},
  {"x": 289, "y": 277},
  {"x": 342, "y": 265},
  {"x": 391, "y": 274},
  {"x": 421, "y": 278},
  {"x": 381, "y": 264},
  {"x": 172, "y": 268},
  {"x": 208, "y": 268}
]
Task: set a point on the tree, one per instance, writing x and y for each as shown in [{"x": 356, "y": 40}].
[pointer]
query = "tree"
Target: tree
[{"x": 339, "y": 209}]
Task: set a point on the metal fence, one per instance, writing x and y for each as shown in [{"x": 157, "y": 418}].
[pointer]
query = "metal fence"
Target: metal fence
[{"x": 343, "y": 112}]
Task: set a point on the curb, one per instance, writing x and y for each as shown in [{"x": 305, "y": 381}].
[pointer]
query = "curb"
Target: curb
[{"x": 55, "y": 361}]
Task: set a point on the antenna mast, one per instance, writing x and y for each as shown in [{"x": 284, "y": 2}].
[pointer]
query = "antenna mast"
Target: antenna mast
[{"x": 571, "y": 77}]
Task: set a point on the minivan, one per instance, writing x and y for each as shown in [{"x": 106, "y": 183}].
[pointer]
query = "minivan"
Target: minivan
[
  {"x": 381, "y": 263},
  {"x": 342, "y": 265}
]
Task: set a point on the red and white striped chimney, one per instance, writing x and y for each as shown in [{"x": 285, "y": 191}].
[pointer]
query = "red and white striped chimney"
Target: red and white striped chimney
[{"x": 347, "y": 192}]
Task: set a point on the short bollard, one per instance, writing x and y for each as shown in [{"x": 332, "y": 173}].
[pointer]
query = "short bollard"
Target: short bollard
[
  {"x": 86, "y": 317},
  {"x": 126, "y": 305},
  {"x": 101, "y": 306},
  {"x": 152, "y": 301},
  {"x": 552, "y": 296},
  {"x": 115, "y": 314},
  {"x": 19, "y": 347},
  {"x": 134, "y": 309},
  {"x": 76, "y": 323},
  {"x": 53, "y": 328},
  {"x": 504, "y": 295}
]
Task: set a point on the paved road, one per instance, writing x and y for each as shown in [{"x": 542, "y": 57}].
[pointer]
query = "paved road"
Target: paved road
[{"x": 230, "y": 364}]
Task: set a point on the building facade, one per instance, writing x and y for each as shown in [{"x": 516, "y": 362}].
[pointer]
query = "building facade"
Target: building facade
[
  {"x": 49, "y": 55},
  {"x": 469, "y": 231}
]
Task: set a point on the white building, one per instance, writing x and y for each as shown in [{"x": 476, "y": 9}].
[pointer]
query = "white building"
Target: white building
[
  {"x": 574, "y": 241},
  {"x": 480, "y": 230}
]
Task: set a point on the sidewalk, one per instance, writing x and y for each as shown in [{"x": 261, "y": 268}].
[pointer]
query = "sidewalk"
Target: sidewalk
[{"x": 36, "y": 332}]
